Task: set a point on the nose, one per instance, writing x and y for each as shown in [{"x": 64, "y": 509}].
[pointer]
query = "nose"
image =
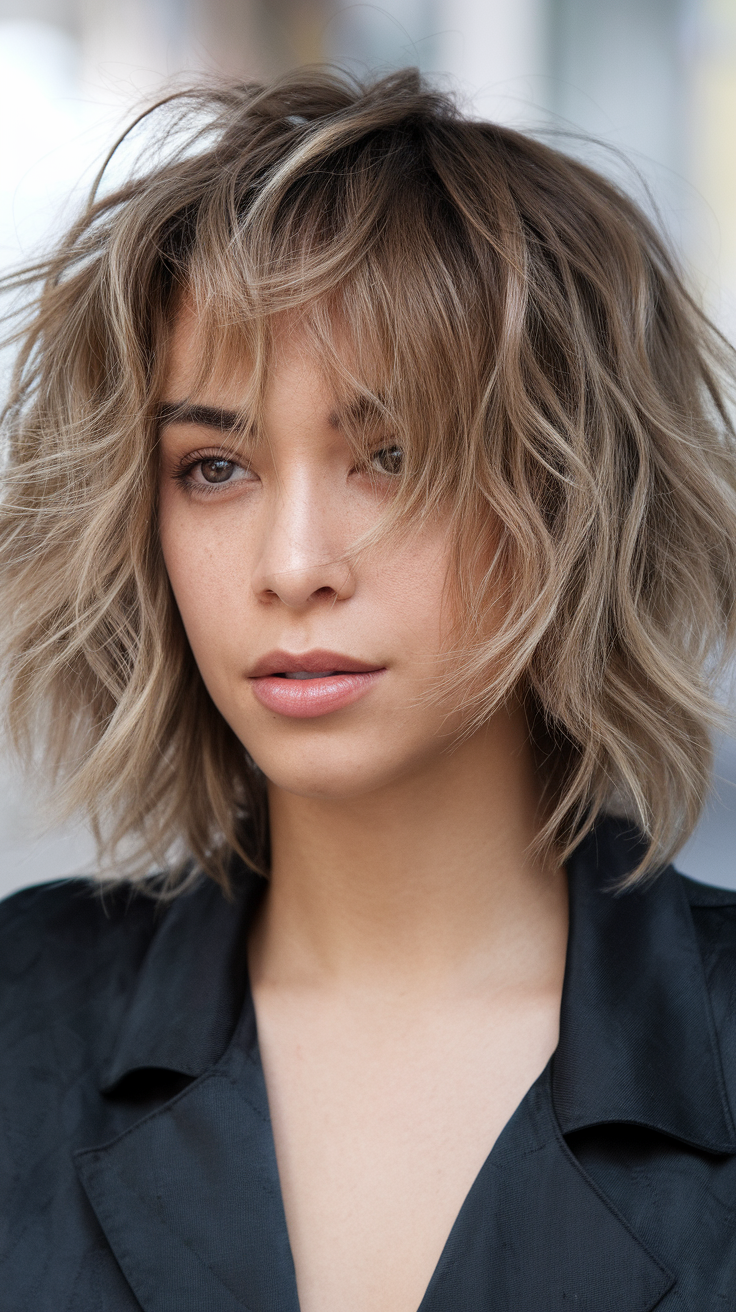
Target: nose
[{"x": 302, "y": 556}]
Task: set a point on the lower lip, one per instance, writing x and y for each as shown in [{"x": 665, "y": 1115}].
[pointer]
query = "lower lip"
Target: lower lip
[{"x": 304, "y": 699}]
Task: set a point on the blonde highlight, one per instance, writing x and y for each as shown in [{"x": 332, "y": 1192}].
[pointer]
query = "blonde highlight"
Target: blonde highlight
[{"x": 527, "y": 335}]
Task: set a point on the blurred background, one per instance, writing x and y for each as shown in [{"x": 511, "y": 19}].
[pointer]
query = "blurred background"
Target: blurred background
[{"x": 653, "y": 81}]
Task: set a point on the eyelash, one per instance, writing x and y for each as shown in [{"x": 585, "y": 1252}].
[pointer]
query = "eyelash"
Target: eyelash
[{"x": 188, "y": 463}]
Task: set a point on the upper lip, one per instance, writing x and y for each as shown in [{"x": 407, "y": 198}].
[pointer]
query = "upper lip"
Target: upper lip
[{"x": 311, "y": 662}]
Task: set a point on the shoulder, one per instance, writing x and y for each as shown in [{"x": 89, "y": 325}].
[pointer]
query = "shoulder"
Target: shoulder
[
  {"x": 713, "y": 912},
  {"x": 714, "y": 917},
  {"x": 707, "y": 895},
  {"x": 71, "y": 925},
  {"x": 68, "y": 951},
  {"x": 81, "y": 905}
]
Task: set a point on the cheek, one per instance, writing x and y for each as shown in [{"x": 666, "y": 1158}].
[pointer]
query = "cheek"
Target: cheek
[
  {"x": 414, "y": 585},
  {"x": 200, "y": 571},
  {"x": 401, "y": 603}
]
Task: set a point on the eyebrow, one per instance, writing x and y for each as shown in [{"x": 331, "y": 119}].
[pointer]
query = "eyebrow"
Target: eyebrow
[
  {"x": 204, "y": 416},
  {"x": 362, "y": 410}
]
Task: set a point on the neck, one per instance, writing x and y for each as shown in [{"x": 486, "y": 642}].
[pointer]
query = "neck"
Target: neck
[{"x": 427, "y": 880}]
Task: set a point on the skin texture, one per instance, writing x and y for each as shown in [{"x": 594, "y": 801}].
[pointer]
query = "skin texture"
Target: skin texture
[{"x": 408, "y": 959}]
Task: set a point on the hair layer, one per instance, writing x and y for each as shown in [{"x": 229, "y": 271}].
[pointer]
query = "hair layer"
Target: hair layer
[{"x": 521, "y": 326}]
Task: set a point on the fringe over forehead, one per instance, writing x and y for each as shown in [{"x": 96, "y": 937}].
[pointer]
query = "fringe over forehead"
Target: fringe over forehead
[{"x": 522, "y": 328}]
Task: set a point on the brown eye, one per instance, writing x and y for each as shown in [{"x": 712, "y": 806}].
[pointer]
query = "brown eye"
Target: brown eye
[
  {"x": 217, "y": 470},
  {"x": 388, "y": 460}
]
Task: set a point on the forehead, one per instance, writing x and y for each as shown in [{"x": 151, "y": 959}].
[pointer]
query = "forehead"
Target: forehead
[
  {"x": 200, "y": 358},
  {"x": 204, "y": 354},
  {"x": 206, "y": 363},
  {"x": 181, "y": 349}
]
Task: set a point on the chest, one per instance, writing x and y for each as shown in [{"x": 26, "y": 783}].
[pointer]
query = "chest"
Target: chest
[
  {"x": 183, "y": 1211},
  {"x": 383, "y": 1116}
]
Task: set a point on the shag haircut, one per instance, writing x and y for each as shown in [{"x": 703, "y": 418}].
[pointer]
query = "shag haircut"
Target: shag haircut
[{"x": 521, "y": 327}]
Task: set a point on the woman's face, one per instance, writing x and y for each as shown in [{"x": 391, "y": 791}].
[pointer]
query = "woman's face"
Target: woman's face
[{"x": 320, "y": 663}]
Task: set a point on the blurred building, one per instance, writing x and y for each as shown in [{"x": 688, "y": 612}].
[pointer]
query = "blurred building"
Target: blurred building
[{"x": 653, "y": 79}]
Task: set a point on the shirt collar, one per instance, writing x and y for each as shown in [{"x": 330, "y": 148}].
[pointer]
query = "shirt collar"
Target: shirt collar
[
  {"x": 637, "y": 1042},
  {"x": 637, "y": 1039},
  {"x": 192, "y": 985}
]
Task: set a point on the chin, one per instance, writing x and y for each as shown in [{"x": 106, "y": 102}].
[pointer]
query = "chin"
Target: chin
[
  {"x": 327, "y": 781},
  {"x": 341, "y": 757},
  {"x": 330, "y": 770}
]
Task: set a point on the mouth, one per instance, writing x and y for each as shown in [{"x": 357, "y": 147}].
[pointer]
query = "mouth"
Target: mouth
[
  {"x": 311, "y": 684},
  {"x": 305, "y": 674}
]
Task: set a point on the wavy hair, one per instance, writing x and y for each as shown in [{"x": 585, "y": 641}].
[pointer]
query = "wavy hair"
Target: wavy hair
[{"x": 524, "y": 329}]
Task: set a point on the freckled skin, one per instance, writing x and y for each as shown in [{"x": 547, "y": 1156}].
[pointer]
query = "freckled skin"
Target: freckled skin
[
  {"x": 408, "y": 957},
  {"x": 260, "y": 565}
]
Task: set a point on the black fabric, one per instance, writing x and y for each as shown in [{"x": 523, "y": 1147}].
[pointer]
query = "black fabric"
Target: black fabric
[{"x": 137, "y": 1166}]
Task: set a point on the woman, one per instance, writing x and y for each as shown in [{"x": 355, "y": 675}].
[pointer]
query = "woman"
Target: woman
[{"x": 368, "y": 546}]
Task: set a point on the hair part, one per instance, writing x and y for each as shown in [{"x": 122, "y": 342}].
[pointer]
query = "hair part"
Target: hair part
[{"x": 521, "y": 327}]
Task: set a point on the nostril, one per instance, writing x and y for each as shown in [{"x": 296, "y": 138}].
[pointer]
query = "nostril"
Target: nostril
[{"x": 315, "y": 584}]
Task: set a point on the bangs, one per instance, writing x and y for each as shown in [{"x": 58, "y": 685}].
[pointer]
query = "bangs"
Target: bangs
[
  {"x": 363, "y": 254},
  {"x": 515, "y": 326}
]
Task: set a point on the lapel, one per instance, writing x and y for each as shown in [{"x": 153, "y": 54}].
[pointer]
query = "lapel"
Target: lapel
[
  {"x": 637, "y": 1037},
  {"x": 191, "y": 984},
  {"x": 189, "y": 1196},
  {"x": 535, "y": 1235}
]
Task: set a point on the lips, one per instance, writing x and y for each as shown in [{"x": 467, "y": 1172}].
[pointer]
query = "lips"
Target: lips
[
  {"x": 308, "y": 684},
  {"x": 314, "y": 663}
]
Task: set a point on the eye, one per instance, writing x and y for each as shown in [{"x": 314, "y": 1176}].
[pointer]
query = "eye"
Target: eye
[
  {"x": 205, "y": 471},
  {"x": 217, "y": 470},
  {"x": 388, "y": 460}
]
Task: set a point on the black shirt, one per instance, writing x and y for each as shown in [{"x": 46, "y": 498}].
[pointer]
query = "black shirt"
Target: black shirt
[{"x": 137, "y": 1165}]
